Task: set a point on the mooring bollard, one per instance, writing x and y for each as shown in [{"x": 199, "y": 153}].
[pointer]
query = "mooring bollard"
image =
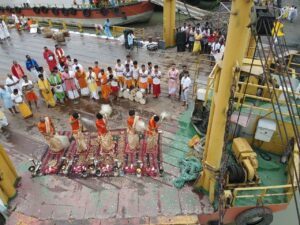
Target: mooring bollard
[
  {"x": 80, "y": 27},
  {"x": 64, "y": 25},
  {"x": 97, "y": 30},
  {"x": 50, "y": 23}
]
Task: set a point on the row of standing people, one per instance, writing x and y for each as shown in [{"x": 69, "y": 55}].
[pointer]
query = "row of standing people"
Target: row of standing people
[
  {"x": 71, "y": 77},
  {"x": 199, "y": 39}
]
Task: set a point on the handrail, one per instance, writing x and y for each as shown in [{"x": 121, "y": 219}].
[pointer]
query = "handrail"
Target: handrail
[{"x": 264, "y": 192}]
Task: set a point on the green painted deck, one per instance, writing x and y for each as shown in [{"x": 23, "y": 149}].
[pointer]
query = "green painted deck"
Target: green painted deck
[{"x": 271, "y": 173}]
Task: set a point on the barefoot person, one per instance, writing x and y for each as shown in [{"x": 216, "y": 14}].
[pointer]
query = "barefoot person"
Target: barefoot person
[
  {"x": 185, "y": 86},
  {"x": 156, "y": 76},
  {"x": 5, "y": 95},
  {"x": 18, "y": 99},
  {"x": 45, "y": 88},
  {"x": 30, "y": 95},
  {"x": 46, "y": 127},
  {"x": 77, "y": 129},
  {"x": 173, "y": 75},
  {"x": 57, "y": 85}
]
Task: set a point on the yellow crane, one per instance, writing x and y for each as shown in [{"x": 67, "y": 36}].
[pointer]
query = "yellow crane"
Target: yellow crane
[{"x": 236, "y": 47}]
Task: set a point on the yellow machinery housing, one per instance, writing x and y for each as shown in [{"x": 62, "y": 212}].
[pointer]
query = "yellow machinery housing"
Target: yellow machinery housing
[{"x": 245, "y": 155}]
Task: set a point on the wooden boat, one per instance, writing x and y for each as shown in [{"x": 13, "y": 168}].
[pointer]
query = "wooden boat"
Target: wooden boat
[{"x": 132, "y": 12}]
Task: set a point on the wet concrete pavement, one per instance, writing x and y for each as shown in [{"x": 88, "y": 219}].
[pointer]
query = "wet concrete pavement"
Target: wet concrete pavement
[{"x": 128, "y": 200}]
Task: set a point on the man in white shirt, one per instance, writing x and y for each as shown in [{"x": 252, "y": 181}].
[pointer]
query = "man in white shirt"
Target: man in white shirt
[
  {"x": 184, "y": 27},
  {"x": 12, "y": 82},
  {"x": 119, "y": 69},
  {"x": 215, "y": 49},
  {"x": 76, "y": 63},
  {"x": 128, "y": 61},
  {"x": 185, "y": 83},
  {"x": 156, "y": 75},
  {"x": 135, "y": 73},
  {"x": 143, "y": 78}
]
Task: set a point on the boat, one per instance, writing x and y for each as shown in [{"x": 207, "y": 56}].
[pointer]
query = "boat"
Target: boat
[
  {"x": 248, "y": 115},
  {"x": 127, "y": 13}
]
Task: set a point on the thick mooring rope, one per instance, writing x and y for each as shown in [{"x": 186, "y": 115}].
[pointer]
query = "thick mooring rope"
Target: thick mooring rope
[{"x": 190, "y": 168}]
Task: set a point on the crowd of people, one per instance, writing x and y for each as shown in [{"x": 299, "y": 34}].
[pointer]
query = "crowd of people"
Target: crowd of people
[
  {"x": 68, "y": 80},
  {"x": 4, "y": 33},
  {"x": 200, "y": 39},
  {"x": 289, "y": 13}
]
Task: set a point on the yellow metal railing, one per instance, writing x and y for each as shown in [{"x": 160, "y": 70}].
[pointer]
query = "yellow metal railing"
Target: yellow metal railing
[
  {"x": 240, "y": 96},
  {"x": 116, "y": 30},
  {"x": 138, "y": 32},
  {"x": 259, "y": 193}
]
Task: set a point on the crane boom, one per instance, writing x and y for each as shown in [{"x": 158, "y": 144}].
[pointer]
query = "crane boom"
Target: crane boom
[{"x": 236, "y": 46}]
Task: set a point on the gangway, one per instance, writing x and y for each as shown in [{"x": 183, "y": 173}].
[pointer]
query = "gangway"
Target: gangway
[{"x": 186, "y": 9}]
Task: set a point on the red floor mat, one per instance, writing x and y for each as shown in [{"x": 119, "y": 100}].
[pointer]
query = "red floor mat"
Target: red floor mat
[{"x": 96, "y": 161}]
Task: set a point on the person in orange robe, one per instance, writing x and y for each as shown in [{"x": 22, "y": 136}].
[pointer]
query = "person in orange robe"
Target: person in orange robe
[
  {"x": 80, "y": 76},
  {"x": 105, "y": 86},
  {"x": 75, "y": 123},
  {"x": 101, "y": 125},
  {"x": 150, "y": 80},
  {"x": 46, "y": 127},
  {"x": 130, "y": 120},
  {"x": 96, "y": 70},
  {"x": 77, "y": 130},
  {"x": 152, "y": 126}
]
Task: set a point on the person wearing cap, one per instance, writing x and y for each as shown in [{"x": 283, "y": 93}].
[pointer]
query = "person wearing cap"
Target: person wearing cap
[{"x": 45, "y": 89}]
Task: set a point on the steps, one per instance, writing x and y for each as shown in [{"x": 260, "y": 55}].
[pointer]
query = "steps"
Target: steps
[{"x": 186, "y": 9}]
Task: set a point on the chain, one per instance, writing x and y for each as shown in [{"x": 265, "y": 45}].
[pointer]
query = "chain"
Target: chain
[{"x": 225, "y": 156}]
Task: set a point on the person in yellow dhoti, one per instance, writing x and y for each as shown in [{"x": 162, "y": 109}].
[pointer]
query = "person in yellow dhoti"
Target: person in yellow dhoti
[
  {"x": 18, "y": 99},
  {"x": 9, "y": 177},
  {"x": 45, "y": 88}
]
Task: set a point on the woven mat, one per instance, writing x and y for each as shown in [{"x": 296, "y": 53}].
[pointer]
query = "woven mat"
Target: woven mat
[{"x": 97, "y": 161}]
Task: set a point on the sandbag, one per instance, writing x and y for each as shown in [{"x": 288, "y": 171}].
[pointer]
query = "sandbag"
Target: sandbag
[{"x": 59, "y": 37}]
